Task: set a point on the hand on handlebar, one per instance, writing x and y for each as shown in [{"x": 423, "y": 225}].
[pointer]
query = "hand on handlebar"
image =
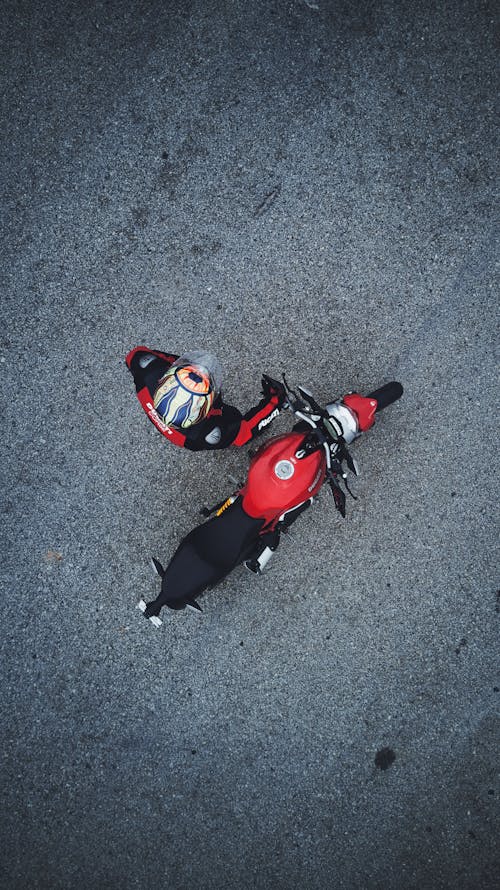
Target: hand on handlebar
[{"x": 272, "y": 388}]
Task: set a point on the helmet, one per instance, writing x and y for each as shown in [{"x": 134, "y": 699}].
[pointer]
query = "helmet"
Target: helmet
[{"x": 185, "y": 394}]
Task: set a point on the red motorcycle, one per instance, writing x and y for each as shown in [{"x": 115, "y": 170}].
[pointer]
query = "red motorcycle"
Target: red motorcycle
[{"x": 284, "y": 478}]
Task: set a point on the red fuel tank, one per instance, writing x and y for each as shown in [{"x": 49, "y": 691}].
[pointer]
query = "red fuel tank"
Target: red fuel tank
[{"x": 278, "y": 480}]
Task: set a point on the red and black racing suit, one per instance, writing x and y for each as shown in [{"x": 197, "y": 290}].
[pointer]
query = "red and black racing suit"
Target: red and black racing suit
[{"x": 224, "y": 425}]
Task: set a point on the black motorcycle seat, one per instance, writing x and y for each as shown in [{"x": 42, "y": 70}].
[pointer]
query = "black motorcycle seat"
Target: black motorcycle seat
[
  {"x": 210, "y": 551},
  {"x": 221, "y": 540}
]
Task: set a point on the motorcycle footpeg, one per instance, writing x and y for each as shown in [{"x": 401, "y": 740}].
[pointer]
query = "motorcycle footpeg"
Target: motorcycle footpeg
[{"x": 253, "y": 566}]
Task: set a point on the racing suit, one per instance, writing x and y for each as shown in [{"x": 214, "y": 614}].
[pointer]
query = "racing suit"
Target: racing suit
[{"x": 224, "y": 425}]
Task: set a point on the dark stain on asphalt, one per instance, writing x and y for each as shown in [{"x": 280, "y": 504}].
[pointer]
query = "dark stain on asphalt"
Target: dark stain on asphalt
[
  {"x": 384, "y": 758},
  {"x": 497, "y": 607},
  {"x": 462, "y": 645}
]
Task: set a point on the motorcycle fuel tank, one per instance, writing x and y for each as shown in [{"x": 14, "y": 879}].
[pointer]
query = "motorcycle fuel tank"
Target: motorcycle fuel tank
[{"x": 278, "y": 480}]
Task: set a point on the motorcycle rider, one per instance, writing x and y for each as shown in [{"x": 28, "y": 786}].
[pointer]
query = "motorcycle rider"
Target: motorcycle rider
[{"x": 181, "y": 396}]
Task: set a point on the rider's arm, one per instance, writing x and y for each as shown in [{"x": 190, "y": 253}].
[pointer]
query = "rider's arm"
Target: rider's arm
[
  {"x": 225, "y": 425},
  {"x": 256, "y": 419}
]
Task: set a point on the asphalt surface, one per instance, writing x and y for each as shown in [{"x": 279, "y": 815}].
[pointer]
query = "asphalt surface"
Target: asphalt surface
[{"x": 295, "y": 186}]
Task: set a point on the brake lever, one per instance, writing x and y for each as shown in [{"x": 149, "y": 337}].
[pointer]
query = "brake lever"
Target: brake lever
[
  {"x": 312, "y": 401},
  {"x": 338, "y": 470},
  {"x": 338, "y": 496},
  {"x": 345, "y": 454},
  {"x": 295, "y": 403},
  {"x": 354, "y": 496}
]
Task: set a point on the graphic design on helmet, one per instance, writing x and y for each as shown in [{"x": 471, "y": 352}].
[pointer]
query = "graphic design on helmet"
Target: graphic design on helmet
[{"x": 184, "y": 395}]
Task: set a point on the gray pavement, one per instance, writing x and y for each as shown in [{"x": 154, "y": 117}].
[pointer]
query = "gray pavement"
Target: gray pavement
[{"x": 297, "y": 186}]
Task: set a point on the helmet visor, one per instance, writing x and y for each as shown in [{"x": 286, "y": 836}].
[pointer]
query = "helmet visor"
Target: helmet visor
[{"x": 206, "y": 364}]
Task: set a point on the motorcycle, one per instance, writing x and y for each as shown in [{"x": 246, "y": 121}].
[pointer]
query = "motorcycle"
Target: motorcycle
[{"x": 285, "y": 477}]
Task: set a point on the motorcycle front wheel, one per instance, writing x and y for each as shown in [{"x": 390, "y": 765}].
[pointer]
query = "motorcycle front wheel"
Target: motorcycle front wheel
[{"x": 387, "y": 394}]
